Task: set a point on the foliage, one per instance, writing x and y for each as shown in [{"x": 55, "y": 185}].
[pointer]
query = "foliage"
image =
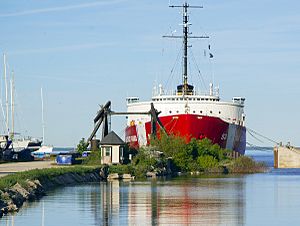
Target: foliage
[
  {"x": 245, "y": 164},
  {"x": 121, "y": 169},
  {"x": 197, "y": 155},
  {"x": 147, "y": 160},
  {"x": 207, "y": 162},
  {"x": 94, "y": 158},
  {"x": 82, "y": 146}
]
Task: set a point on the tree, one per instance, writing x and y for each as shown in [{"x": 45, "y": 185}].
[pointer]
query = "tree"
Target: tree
[{"x": 82, "y": 146}]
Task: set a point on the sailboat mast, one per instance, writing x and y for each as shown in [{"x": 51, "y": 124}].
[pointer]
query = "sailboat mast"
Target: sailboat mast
[
  {"x": 43, "y": 122},
  {"x": 12, "y": 93},
  {"x": 6, "y": 93}
]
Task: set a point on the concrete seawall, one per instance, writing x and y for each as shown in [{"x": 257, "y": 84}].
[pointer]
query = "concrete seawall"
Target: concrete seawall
[
  {"x": 286, "y": 157},
  {"x": 13, "y": 198}
]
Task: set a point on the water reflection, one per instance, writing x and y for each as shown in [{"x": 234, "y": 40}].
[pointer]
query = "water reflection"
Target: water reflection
[{"x": 181, "y": 201}]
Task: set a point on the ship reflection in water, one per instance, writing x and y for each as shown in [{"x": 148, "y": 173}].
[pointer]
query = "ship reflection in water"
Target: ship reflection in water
[{"x": 183, "y": 201}]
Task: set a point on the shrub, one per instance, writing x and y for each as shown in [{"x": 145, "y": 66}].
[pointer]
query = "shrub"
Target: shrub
[
  {"x": 207, "y": 162},
  {"x": 94, "y": 158},
  {"x": 121, "y": 169},
  {"x": 246, "y": 164}
]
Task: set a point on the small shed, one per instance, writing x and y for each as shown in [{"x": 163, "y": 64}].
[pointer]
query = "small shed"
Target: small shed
[{"x": 112, "y": 149}]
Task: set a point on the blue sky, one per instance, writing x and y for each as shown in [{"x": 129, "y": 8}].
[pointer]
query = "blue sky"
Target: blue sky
[{"x": 84, "y": 53}]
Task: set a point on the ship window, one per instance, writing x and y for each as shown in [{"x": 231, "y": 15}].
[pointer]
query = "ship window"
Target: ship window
[
  {"x": 200, "y": 112},
  {"x": 177, "y": 111},
  {"x": 219, "y": 112},
  {"x": 181, "y": 98},
  {"x": 210, "y": 112},
  {"x": 198, "y": 98},
  {"x": 194, "y": 111},
  {"x": 173, "y": 98},
  {"x": 170, "y": 112},
  {"x": 206, "y": 99}
]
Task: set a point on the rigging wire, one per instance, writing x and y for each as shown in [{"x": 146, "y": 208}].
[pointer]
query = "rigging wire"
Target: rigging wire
[
  {"x": 269, "y": 139},
  {"x": 198, "y": 70},
  {"x": 172, "y": 70},
  {"x": 254, "y": 136}
]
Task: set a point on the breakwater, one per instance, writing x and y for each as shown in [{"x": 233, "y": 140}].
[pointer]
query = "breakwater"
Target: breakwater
[{"x": 13, "y": 197}]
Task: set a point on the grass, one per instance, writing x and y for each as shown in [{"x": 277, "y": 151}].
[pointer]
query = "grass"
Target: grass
[{"x": 40, "y": 174}]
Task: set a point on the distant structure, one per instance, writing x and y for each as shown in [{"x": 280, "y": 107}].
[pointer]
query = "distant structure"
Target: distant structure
[
  {"x": 286, "y": 157},
  {"x": 112, "y": 149}
]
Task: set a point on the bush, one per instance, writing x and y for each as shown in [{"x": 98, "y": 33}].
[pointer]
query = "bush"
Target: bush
[
  {"x": 207, "y": 162},
  {"x": 121, "y": 169},
  {"x": 94, "y": 158},
  {"x": 246, "y": 164},
  {"x": 194, "y": 156}
]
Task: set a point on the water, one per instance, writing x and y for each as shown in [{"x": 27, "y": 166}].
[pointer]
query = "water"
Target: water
[{"x": 260, "y": 199}]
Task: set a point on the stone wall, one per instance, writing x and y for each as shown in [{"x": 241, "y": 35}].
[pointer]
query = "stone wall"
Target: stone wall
[{"x": 13, "y": 198}]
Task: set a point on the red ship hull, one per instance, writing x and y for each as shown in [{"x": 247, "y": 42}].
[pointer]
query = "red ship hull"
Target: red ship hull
[{"x": 190, "y": 126}]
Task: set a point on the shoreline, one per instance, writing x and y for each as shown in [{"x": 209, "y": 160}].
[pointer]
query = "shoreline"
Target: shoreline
[
  {"x": 17, "y": 188},
  {"x": 13, "y": 197}
]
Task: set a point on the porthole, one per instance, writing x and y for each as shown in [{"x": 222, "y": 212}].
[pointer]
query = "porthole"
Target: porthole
[{"x": 210, "y": 112}]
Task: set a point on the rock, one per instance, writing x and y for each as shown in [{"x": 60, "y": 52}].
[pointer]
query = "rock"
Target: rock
[
  {"x": 151, "y": 174},
  {"x": 113, "y": 176},
  {"x": 127, "y": 176},
  {"x": 12, "y": 198}
]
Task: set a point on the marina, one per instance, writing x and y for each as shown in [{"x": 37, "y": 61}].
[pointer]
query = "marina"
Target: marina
[
  {"x": 184, "y": 153},
  {"x": 259, "y": 199}
]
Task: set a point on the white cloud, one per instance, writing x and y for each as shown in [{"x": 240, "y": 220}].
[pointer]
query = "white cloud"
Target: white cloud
[{"x": 61, "y": 8}]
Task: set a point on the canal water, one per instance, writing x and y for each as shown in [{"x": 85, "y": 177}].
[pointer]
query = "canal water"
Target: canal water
[{"x": 271, "y": 198}]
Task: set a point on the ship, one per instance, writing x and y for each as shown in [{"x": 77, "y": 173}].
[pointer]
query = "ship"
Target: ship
[{"x": 189, "y": 113}]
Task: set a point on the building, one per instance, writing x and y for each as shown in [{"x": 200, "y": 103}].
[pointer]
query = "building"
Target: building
[{"x": 112, "y": 149}]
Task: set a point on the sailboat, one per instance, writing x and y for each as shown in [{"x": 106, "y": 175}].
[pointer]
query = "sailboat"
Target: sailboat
[
  {"x": 45, "y": 150},
  {"x": 20, "y": 147}
]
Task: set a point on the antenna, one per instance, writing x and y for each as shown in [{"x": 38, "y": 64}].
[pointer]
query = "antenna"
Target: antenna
[{"x": 186, "y": 35}]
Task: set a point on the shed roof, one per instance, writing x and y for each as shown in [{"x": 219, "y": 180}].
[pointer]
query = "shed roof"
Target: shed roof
[{"x": 112, "y": 139}]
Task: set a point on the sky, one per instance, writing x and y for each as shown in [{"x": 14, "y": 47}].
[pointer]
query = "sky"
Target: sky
[{"x": 84, "y": 53}]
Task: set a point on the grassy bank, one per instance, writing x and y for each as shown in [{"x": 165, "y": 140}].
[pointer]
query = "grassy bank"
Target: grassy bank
[
  {"x": 42, "y": 174},
  {"x": 17, "y": 188}
]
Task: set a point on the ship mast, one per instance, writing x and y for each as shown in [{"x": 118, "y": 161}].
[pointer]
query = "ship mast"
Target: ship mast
[{"x": 186, "y": 35}]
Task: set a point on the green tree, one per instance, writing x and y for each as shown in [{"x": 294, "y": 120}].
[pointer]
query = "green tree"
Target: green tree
[{"x": 82, "y": 146}]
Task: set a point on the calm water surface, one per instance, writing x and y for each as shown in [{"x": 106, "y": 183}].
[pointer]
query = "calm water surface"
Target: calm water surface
[{"x": 261, "y": 199}]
